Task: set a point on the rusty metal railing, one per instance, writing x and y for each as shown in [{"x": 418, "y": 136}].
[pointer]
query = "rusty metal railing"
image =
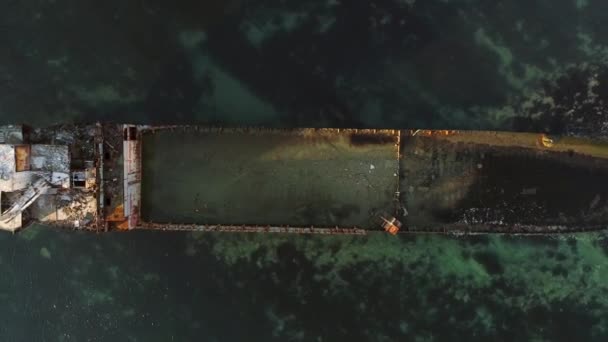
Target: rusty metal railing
[{"x": 251, "y": 229}]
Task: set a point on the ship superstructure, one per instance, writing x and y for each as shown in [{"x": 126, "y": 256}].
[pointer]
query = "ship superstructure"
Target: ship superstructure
[{"x": 47, "y": 176}]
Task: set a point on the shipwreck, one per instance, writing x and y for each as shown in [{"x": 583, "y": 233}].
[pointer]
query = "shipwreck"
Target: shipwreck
[{"x": 109, "y": 177}]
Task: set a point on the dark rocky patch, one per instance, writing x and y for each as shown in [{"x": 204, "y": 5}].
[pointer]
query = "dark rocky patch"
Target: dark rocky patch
[{"x": 490, "y": 262}]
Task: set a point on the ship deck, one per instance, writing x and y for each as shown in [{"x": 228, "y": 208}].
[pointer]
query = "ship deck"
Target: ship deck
[
  {"x": 321, "y": 178},
  {"x": 503, "y": 182}
]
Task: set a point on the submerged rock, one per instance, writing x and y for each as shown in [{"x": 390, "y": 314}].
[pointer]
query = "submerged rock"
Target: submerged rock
[{"x": 45, "y": 253}]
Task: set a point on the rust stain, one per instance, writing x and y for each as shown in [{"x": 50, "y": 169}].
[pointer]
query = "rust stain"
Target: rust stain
[
  {"x": 22, "y": 158},
  {"x": 252, "y": 229},
  {"x": 433, "y": 132},
  {"x": 545, "y": 141},
  {"x": 362, "y": 139},
  {"x": 123, "y": 225},
  {"x": 118, "y": 215},
  {"x": 391, "y": 226}
]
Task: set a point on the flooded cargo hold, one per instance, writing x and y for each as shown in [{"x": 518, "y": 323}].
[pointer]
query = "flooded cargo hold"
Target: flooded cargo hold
[
  {"x": 106, "y": 177},
  {"x": 321, "y": 178},
  {"x": 504, "y": 182}
]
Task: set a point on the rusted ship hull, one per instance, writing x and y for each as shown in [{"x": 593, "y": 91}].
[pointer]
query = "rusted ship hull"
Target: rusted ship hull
[{"x": 307, "y": 181}]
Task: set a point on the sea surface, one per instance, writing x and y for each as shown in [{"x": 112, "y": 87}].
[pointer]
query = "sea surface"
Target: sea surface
[{"x": 462, "y": 64}]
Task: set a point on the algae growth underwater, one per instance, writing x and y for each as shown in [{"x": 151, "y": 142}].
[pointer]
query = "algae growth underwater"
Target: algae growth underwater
[
  {"x": 509, "y": 65},
  {"x": 154, "y": 286}
]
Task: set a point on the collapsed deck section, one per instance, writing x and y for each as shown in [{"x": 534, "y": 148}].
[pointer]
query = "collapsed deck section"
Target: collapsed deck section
[
  {"x": 316, "y": 177},
  {"x": 48, "y": 175}
]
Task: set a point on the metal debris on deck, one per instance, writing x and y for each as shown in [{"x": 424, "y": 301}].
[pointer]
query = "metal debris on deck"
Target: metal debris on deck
[
  {"x": 391, "y": 226},
  {"x": 40, "y": 179}
]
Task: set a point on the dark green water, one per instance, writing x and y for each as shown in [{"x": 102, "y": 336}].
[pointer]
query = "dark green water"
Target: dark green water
[
  {"x": 389, "y": 63},
  {"x": 153, "y": 286}
]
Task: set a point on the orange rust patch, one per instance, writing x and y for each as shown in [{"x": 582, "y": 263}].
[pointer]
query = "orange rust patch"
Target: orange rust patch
[
  {"x": 545, "y": 141},
  {"x": 434, "y": 132},
  {"x": 118, "y": 215},
  {"x": 123, "y": 225},
  {"x": 22, "y": 158},
  {"x": 391, "y": 226}
]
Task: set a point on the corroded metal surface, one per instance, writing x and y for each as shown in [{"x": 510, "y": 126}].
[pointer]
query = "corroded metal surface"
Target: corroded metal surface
[
  {"x": 50, "y": 177},
  {"x": 252, "y": 229},
  {"x": 132, "y": 174},
  {"x": 111, "y": 167}
]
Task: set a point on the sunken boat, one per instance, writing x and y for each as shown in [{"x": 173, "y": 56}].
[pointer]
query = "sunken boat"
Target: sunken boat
[{"x": 121, "y": 177}]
